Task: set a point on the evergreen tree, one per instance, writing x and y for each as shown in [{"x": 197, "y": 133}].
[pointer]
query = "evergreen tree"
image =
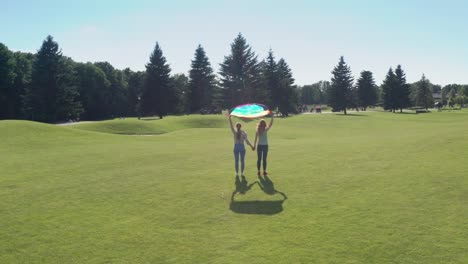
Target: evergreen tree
[
  {"x": 423, "y": 93},
  {"x": 49, "y": 88},
  {"x": 240, "y": 75},
  {"x": 402, "y": 93},
  {"x": 389, "y": 89},
  {"x": 41, "y": 97},
  {"x": 158, "y": 95},
  {"x": 270, "y": 81},
  {"x": 7, "y": 77},
  {"x": 366, "y": 90},
  {"x": 288, "y": 95},
  {"x": 202, "y": 83},
  {"x": 339, "y": 91}
]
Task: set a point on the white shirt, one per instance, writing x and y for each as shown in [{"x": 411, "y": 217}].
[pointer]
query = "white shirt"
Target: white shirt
[{"x": 243, "y": 137}]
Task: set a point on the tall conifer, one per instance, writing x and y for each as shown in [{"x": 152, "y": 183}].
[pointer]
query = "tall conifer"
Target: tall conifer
[
  {"x": 402, "y": 93},
  {"x": 339, "y": 92},
  {"x": 202, "y": 83},
  {"x": 157, "y": 97},
  {"x": 366, "y": 90},
  {"x": 240, "y": 74}
]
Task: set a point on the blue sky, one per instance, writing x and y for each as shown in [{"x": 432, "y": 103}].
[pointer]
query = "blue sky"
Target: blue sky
[{"x": 429, "y": 37}]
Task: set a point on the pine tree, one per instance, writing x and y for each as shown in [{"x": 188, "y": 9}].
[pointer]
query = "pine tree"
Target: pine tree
[
  {"x": 423, "y": 93},
  {"x": 7, "y": 77},
  {"x": 240, "y": 75},
  {"x": 341, "y": 84},
  {"x": 50, "y": 89},
  {"x": 402, "y": 94},
  {"x": 288, "y": 96},
  {"x": 41, "y": 96},
  {"x": 158, "y": 95},
  {"x": 202, "y": 82},
  {"x": 389, "y": 88},
  {"x": 366, "y": 90},
  {"x": 270, "y": 81}
]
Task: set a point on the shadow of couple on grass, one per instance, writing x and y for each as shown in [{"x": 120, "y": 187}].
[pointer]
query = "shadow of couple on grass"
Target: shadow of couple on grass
[{"x": 256, "y": 206}]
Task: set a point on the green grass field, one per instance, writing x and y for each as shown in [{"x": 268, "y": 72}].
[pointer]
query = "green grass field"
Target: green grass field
[{"x": 364, "y": 188}]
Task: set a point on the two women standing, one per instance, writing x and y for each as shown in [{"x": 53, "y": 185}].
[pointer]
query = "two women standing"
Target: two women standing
[{"x": 240, "y": 136}]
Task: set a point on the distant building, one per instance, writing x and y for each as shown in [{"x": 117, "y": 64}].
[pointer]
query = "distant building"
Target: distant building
[{"x": 437, "y": 97}]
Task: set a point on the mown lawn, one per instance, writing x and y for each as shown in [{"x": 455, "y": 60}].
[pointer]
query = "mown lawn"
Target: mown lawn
[{"x": 364, "y": 188}]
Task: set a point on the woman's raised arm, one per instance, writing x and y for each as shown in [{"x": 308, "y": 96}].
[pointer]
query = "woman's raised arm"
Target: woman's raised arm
[
  {"x": 271, "y": 121},
  {"x": 232, "y": 127}
]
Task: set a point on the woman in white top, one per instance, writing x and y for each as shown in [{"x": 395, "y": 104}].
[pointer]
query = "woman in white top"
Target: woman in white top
[
  {"x": 262, "y": 147},
  {"x": 239, "y": 149}
]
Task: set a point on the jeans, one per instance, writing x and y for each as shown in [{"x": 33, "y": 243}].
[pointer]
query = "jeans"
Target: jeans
[
  {"x": 262, "y": 150},
  {"x": 239, "y": 151}
]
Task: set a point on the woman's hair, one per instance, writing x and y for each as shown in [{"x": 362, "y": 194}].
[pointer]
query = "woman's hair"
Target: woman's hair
[
  {"x": 238, "y": 133},
  {"x": 261, "y": 127}
]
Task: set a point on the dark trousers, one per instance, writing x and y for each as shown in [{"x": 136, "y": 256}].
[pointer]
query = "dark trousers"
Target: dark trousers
[{"x": 262, "y": 153}]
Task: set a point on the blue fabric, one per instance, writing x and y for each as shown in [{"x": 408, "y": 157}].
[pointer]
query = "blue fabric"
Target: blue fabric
[{"x": 239, "y": 152}]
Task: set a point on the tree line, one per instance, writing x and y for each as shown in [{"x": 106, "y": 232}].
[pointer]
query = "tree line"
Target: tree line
[
  {"x": 50, "y": 87},
  {"x": 394, "y": 94}
]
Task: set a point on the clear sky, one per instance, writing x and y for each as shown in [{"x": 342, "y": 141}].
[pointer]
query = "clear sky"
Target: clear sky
[{"x": 429, "y": 37}]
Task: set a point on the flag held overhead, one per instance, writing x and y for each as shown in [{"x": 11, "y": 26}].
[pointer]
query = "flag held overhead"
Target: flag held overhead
[{"x": 250, "y": 111}]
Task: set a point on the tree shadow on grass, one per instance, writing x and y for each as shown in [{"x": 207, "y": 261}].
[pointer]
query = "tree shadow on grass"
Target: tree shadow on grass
[
  {"x": 406, "y": 113},
  {"x": 152, "y": 118},
  {"x": 257, "y": 207}
]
